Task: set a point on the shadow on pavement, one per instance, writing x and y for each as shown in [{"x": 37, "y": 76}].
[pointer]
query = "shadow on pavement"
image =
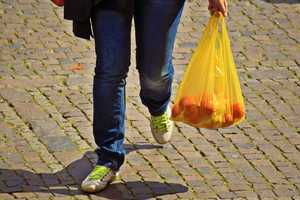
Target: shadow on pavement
[
  {"x": 67, "y": 181},
  {"x": 283, "y": 1}
]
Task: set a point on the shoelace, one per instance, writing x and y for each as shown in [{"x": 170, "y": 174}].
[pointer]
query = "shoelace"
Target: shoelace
[
  {"x": 98, "y": 173},
  {"x": 161, "y": 122}
]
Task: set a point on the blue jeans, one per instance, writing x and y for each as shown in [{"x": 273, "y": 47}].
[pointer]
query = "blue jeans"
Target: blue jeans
[{"x": 156, "y": 23}]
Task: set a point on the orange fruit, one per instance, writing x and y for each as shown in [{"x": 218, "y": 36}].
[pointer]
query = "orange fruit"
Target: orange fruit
[
  {"x": 191, "y": 109},
  {"x": 192, "y": 114},
  {"x": 176, "y": 110},
  {"x": 207, "y": 104},
  {"x": 228, "y": 119},
  {"x": 237, "y": 111},
  {"x": 186, "y": 101}
]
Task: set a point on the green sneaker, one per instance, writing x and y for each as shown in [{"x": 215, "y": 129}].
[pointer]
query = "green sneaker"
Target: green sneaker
[
  {"x": 98, "y": 179},
  {"x": 161, "y": 127}
]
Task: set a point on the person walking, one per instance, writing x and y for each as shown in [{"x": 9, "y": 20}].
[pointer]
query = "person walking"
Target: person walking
[{"x": 156, "y": 23}]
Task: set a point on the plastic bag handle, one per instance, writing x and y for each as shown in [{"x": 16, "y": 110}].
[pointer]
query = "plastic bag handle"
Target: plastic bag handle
[{"x": 220, "y": 19}]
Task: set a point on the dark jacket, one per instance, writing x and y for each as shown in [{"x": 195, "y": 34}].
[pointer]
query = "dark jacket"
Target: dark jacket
[{"x": 79, "y": 12}]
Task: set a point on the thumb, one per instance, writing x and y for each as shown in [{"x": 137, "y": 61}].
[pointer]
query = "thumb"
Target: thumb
[{"x": 223, "y": 9}]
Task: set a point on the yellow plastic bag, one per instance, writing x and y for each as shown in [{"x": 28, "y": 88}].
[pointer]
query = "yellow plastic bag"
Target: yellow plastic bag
[{"x": 209, "y": 95}]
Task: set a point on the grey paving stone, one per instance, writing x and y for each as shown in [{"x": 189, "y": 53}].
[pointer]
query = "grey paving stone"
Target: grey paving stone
[{"x": 46, "y": 111}]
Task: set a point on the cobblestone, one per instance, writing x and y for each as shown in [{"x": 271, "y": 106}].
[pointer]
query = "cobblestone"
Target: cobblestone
[{"x": 46, "y": 141}]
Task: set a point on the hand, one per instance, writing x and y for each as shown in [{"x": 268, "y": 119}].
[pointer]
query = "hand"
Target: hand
[{"x": 218, "y": 6}]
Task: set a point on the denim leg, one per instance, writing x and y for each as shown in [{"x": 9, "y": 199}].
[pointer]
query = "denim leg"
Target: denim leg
[
  {"x": 112, "y": 42},
  {"x": 156, "y": 23}
]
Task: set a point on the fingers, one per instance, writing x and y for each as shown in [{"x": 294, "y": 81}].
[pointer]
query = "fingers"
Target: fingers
[
  {"x": 226, "y": 7},
  {"x": 221, "y": 7},
  {"x": 218, "y": 6},
  {"x": 223, "y": 10},
  {"x": 218, "y": 11}
]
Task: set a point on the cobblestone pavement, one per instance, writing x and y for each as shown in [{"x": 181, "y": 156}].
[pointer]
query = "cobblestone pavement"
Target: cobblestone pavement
[{"x": 46, "y": 142}]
